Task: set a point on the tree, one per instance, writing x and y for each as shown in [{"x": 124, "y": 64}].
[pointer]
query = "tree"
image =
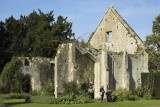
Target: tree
[
  {"x": 152, "y": 44},
  {"x": 4, "y": 55},
  {"x": 37, "y": 34}
]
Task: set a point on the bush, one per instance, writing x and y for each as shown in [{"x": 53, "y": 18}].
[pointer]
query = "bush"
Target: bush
[
  {"x": 76, "y": 93},
  {"x": 133, "y": 97},
  {"x": 157, "y": 85},
  {"x": 138, "y": 91},
  {"x": 51, "y": 100},
  {"x": 1, "y": 103},
  {"x": 11, "y": 78},
  {"x": 15, "y": 95},
  {"x": 34, "y": 93},
  {"x": 81, "y": 99},
  {"x": 120, "y": 94},
  {"x": 147, "y": 96},
  {"x": 67, "y": 99},
  {"x": 25, "y": 95},
  {"x": 70, "y": 88},
  {"x": 41, "y": 99},
  {"x": 5, "y": 96},
  {"x": 47, "y": 89},
  {"x": 151, "y": 84}
]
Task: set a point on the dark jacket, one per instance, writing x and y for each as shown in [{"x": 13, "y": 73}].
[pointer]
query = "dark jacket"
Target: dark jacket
[{"x": 102, "y": 90}]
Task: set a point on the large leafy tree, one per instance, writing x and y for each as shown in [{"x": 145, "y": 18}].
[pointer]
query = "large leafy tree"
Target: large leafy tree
[
  {"x": 37, "y": 34},
  {"x": 153, "y": 46},
  {"x": 4, "y": 55}
]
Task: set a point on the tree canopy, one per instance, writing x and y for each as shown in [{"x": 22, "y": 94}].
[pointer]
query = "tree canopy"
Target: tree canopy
[
  {"x": 152, "y": 44},
  {"x": 37, "y": 34}
]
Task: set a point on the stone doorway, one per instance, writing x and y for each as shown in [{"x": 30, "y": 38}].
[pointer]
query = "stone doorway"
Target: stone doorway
[{"x": 26, "y": 84}]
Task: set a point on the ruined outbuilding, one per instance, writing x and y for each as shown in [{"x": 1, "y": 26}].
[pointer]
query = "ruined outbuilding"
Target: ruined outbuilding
[
  {"x": 115, "y": 55},
  {"x": 118, "y": 60}
]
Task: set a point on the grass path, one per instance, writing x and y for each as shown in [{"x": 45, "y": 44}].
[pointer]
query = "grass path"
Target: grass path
[{"x": 139, "y": 103}]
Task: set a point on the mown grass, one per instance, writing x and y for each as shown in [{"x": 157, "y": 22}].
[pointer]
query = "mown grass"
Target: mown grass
[{"x": 139, "y": 103}]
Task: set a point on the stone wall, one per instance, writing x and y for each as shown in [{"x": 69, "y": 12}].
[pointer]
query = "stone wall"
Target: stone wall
[
  {"x": 30, "y": 66},
  {"x": 122, "y": 70},
  {"x": 122, "y": 34},
  {"x": 64, "y": 66}
]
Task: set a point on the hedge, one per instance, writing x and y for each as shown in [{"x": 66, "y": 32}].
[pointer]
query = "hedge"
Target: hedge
[{"x": 154, "y": 80}]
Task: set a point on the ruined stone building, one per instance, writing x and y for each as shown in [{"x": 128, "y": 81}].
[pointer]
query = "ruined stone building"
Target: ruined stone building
[{"x": 115, "y": 55}]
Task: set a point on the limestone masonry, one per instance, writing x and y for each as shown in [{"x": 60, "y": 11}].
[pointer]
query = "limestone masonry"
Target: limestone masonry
[{"x": 115, "y": 56}]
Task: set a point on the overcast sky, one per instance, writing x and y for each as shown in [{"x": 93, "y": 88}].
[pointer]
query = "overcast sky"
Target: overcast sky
[{"x": 86, "y": 14}]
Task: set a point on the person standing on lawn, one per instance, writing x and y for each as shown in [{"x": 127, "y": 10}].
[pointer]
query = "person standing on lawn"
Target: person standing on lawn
[
  {"x": 102, "y": 93},
  {"x": 108, "y": 94}
]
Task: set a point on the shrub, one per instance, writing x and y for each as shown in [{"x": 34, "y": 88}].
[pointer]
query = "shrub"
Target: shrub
[
  {"x": 147, "y": 96},
  {"x": 41, "y": 99},
  {"x": 5, "y": 96},
  {"x": 34, "y": 93},
  {"x": 67, "y": 99},
  {"x": 11, "y": 78},
  {"x": 133, "y": 97},
  {"x": 157, "y": 85},
  {"x": 81, "y": 99},
  {"x": 25, "y": 95},
  {"x": 1, "y": 103},
  {"x": 120, "y": 94},
  {"x": 151, "y": 84},
  {"x": 70, "y": 88},
  {"x": 77, "y": 93},
  {"x": 138, "y": 91},
  {"x": 15, "y": 95},
  {"x": 47, "y": 89}
]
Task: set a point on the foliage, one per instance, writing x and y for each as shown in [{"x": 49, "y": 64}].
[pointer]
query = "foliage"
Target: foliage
[
  {"x": 138, "y": 91},
  {"x": 43, "y": 69},
  {"x": 157, "y": 85},
  {"x": 151, "y": 84},
  {"x": 133, "y": 97},
  {"x": 51, "y": 99},
  {"x": 47, "y": 89},
  {"x": 70, "y": 88},
  {"x": 5, "y": 96},
  {"x": 67, "y": 99},
  {"x": 41, "y": 99},
  {"x": 147, "y": 96},
  {"x": 1, "y": 103},
  {"x": 25, "y": 95},
  {"x": 78, "y": 93},
  {"x": 11, "y": 78},
  {"x": 37, "y": 34},
  {"x": 85, "y": 69},
  {"x": 15, "y": 96},
  {"x": 120, "y": 94},
  {"x": 80, "y": 99},
  {"x": 152, "y": 44},
  {"x": 83, "y": 43},
  {"x": 148, "y": 84}
]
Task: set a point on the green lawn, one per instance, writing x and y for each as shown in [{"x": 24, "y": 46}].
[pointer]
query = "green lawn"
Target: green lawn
[{"x": 139, "y": 103}]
